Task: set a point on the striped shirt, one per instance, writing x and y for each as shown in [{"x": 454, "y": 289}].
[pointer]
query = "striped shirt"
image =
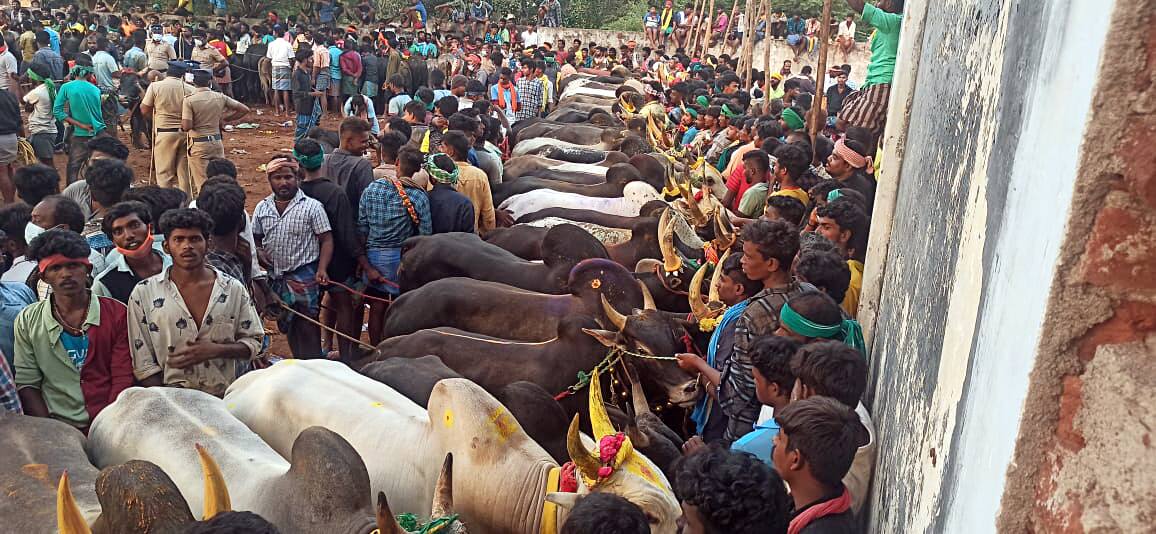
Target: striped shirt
[
  {"x": 290, "y": 237},
  {"x": 9, "y": 399},
  {"x": 530, "y": 99}
]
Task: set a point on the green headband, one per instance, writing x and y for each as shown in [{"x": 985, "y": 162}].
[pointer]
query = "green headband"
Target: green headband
[
  {"x": 702, "y": 101},
  {"x": 438, "y": 174},
  {"x": 847, "y": 331},
  {"x": 80, "y": 71},
  {"x": 833, "y": 195},
  {"x": 793, "y": 120},
  {"x": 726, "y": 111},
  {"x": 310, "y": 163},
  {"x": 691, "y": 112},
  {"x": 48, "y": 83}
]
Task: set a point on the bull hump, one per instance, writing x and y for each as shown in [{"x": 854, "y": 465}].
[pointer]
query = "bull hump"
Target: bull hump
[{"x": 323, "y": 459}]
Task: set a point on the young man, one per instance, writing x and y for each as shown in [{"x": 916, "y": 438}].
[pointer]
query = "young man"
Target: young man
[
  {"x": 348, "y": 250},
  {"x": 347, "y": 166},
  {"x": 791, "y": 163},
  {"x": 56, "y": 211},
  {"x": 38, "y": 103},
  {"x": 450, "y": 210},
  {"x": 734, "y": 289},
  {"x": 848, "y": 164},
  {"x": 81, "y": 97},
  {"x": 769, "y": 248},
  {"x": 824, "y": 269},
  {"x": 72, "y": 356},
  {"x": 774, "y": 381},
  {"x": 293, "y": 230},
  {"x": 813, "y": 451},
  {"x": 867, "y": 108},
  {"x": 605, "y": 513},
  {"x": 400, "y": 96},
  {"x": 844, "y": 223},
  {"x": 472, "y": 182},
  {"x": 202, "y": 114},
  {"x": 107, "y": 180},
  {"x": 530, "y": 93},
  {"x": 280, "y": 52},
  {"x": 129, "y": 225},
  {"x": 723, "y": 491},
  {"x": 505, "y": 95},
  {"x": 305, "y": 98},
  {"x": 190, "y": 326},
  {"x": 34, "y": 182}
]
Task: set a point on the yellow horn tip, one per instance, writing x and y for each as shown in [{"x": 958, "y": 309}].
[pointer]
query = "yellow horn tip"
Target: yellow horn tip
[
  {"x": 69, "y": 520},
  {"x": 216, "y": 492}
]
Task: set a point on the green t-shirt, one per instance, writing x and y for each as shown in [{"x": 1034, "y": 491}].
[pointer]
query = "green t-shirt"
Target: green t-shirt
[
  {"x": 83, "y": 99},
  {"x": 754, "y": 201},
  {"x": 884, "y": 45}
]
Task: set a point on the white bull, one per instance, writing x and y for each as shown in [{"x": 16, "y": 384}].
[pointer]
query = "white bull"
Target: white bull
[
  {"x": 578, "y": 87},
  {"x": 584, "y": 168},
  {"x": 608, "y": 236},
  {"x": 504, "y": 475},
  {"x": 634, "y": 196},
  {"x": 527, "y": 146}
]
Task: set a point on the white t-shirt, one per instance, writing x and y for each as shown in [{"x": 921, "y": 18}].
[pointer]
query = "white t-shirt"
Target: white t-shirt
[
  {"x": 279, "y": 52},
  {"x": 531, "y": 39},
  {"x": 20, "y": 271},
  {"x": 7, "y": 69},
  {"x": 846, "y": 30},
  {"x": 41, "y": 119}
]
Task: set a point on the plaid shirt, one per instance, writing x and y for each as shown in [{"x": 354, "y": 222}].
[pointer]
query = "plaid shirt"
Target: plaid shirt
[
  {"x": 737, "y": 397},
  {"x": 9, "y": 399},
  {"x": 383, "y": 219},
  {"x": 530, "y": 98},
  {"x": 290, "y": 237}
]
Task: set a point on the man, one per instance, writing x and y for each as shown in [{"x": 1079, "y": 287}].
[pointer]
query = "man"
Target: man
[
  {"x": 159, "y": 51},
  {"x": 472, "y": 182},
  {"x": 293, "y": 230},
  {"x": 725, "y": 491},
  {"x": 135, "y": 58},
  {"x": 164, "y": 100},
  {"x": 837, "y": 94},
  {"x": 506, "y": 96},
  {"x": 72, "y": 356},
  {"x": 550, "y": 13},
  {"x": 81, "y": 97},
  {"x": 791, "y": 163},
  {"x": 208, "y": 56},
  {"x": 774, "y": 382},
  {"x": 48, "y": 57},
  {"x": 9, "y": 79},
  {"x": 845, "y": 39},
  {"x": 844, "y": 223},
  {"x": 305, "y": 98},
  {"x": 450, "y": 210},
  {"x": 107, "y": 181},
  {"x": 797, "y": 36},
  {"x": 334, "y": 92},
  {"x": 848, "y": 164},
  {"x": 530, "y": 37},
  {"x": 201, "y": 115},
  {"x": 104, "y": 66},
  {"x": 27, "y": 42},
  {"x": 400, "y": 96},
  {"x": 813, "y": 451},
  {"x": 605, "y": 513},
  {"x": 867, "y": 108},
  {"x": 348, "y": 250},
  {"x": 280, "y": 51},
  {"x": 190, "y": 326},
  {"x": 347, "y": 166},
  {"x": 129, "y": 225},
  {"x": 479, "y": 16},
  {"x": 529, "y": 93}
]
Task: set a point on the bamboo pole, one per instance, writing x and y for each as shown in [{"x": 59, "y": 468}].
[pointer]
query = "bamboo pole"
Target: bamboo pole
[
  {"x": 690, "y": 33},
  {"x": 751, "y": 26},
  {"x": 766, "y": 43},
  {"x": 818, "y": 116},
  {"x": 731, "y": 21},
  {"x": 742, "y": 51},
  {"x": 705, "y": 38}
]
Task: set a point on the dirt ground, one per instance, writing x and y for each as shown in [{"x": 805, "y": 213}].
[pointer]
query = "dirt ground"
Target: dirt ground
[{"x": 248, "y": 149}]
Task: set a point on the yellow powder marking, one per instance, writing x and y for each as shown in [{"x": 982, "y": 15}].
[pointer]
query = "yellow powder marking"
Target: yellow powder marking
[
  {"x": 377, "y": 404},
  {"x": 448, "y": 418},
  {"x": 37, "y": 471},
  {"x": 503, "y": 422}
]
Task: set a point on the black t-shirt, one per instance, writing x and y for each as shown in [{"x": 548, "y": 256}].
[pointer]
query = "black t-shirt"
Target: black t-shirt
[
  {"x": 9, "y": 113},
  {"x": 302, "y": 86},
  {"x": 864, "y": 185},
  {"x": 120, "y": 283}
]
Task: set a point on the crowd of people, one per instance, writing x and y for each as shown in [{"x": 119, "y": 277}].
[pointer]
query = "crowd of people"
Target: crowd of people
[{"x": 114, "y": 279}]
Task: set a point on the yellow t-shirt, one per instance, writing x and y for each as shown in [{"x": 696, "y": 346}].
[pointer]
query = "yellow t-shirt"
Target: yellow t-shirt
[
  {"x": 851, "y": 298},
  {"x": 797, "y": 194}
]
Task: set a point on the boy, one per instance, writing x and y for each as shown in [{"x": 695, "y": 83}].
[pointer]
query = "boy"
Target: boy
[
  {"x": 305, "y": 99},
  {"x": 605, "y": 513},
  {"x": 771, "y": 369},
  {"x": 295, "y": 233},
  {"x": 812, "y": 452},
  {"x": 845, "y": 224},
  {"x": 724, "y": 491},
  {"x": 129, "y": 225},
  {"x": 734, "y": 289}
]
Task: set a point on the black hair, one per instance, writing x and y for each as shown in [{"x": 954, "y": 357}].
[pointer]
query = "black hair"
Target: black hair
[
  {"x": 219, "y": 166},
  {"x": 462, "y": 122},
  {"x": 819, "y": 191},
  {"x": 793, "y": 158},
  {"x": 41, "y": 69},
  {"x": 437, "y": 79},
  {"x": 185, "y": 219},
  {"x": 57, "y": 241},
  {"x": 759, "y": 158},
  {"x": 806, "y": 70},
  {"x": 825, "y": 270},
  {"x": 457, "y": 140},
  {"x": 398, "y": 124},
  {"x": 13, "y": 218},
  {"x": 415, "y": 108},
  {"x": 35, "y": 182},
  {"x": 389, "y": 144},
  {"x": 124, "y": 209},
  {"x": 849, "y": 216},
  {"x": 734, "y": 492},
  {"x": 605, "y": 513},
  {"x": 308, "y": 147},
  {"x": 768, "y": 129},
  {"x": 410, "y": 159},
  {"x": 793, "y": 83},
  {"x": 302, "y": 55},
  {"x": 448, "y": 105},
  {"x": 815, "y": 242},
  {"x": 158, "y": 199},
  {"x": 425, "y": 95},
  {"x": 354, "y": 125},
  {"x": 790, "y": 208},
  {"x": 773, "y": 239},
  {"x": 733, "y": 268},
  {"x": 109, "y": 145},
  {"x": 771, "y": 355},
  {"x": 232, "y": 523},
  {"x": 770, "y": 144},
  {"x": 67, "y": 212},
  {"x": 830, "y": 368},
  {"x": 397, "y": 80},
  {"x": 108, "y": 179},
  {"x": 224, "y": 202},
  {"x": 826, "y": 434}
]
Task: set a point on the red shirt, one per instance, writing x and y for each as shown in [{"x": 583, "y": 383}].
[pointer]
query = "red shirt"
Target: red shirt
[
  {"x": 108, "y": 369},
  {"x": 737, "y": 182}
]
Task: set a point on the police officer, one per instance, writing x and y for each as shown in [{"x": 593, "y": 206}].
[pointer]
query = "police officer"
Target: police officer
[
  {"x": 163, "y": 100},
  {"x": 201, "y": 117}
]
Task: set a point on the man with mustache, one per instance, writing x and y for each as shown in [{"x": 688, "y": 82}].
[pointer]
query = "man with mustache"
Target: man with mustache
[{"x": 129, "y": 225}]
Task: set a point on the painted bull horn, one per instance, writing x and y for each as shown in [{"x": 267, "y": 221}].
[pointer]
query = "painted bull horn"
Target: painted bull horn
[
  {"x": 724, "y": 233},
  {"x": 714, "y": 279},
  {"x": 637, "y": 396},
  {"x": 386, "y": 523},
  {"x": 647, "y": 298},
  {"x": 443, "y": 503},
  {"x": 694, "y": 292},
  {"x": 69, "y": 520},
  {"x": 216, "y": 493},
  {"x": 616, "y": 319},
  {"x": 692, "y": 205},
  {"x": 586, "y": 464},
  {"x": 670, "y": 260}
]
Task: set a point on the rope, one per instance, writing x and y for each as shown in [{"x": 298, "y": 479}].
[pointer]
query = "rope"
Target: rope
[
  {"x": 361, "y": 294},
  {"x": 361, "y": 343},
  {"x": 613, "y": 356},
  {"x": 25, "y": 154}
]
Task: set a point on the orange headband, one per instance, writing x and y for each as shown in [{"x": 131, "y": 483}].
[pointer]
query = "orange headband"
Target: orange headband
[{"x": 57, "y": 259}]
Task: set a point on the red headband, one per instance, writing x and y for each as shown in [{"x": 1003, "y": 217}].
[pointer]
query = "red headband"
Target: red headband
[
  {"x": 852, "y": 158},
  {"x": 57, "y": 259}
]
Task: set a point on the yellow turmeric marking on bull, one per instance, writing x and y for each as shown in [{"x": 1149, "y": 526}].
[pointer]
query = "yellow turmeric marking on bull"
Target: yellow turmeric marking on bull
[
  {"x": 448, "y": 418},
  {"x": 377, "y": 404},
  {"x": 644, "y": 471},
  {"x": 504, "y": 423},
  {"x": 37, "y": 471}
]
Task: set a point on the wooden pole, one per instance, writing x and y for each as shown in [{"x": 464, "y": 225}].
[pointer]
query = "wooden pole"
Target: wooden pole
[
  {"x": 752, "y": 24},
  {"x": 818, "y": 116},
  {"x": 766, "y": 43},
  {"x": 705, "y": 38},
  {"x": 693, "y": 27},
  {"x": 731, "y": 21}
]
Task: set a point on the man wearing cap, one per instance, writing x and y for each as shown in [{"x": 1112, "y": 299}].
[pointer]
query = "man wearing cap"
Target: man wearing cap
[
  {"x": 163, "y": 101},
  {"x": 201, "y": 116}
]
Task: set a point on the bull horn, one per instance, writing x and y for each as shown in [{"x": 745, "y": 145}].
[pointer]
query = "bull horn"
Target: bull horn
[
  {"x": 688, "y": 196},
  {"x": 586, "y": 463},
  {"x": 564, "y": 499},
  {"x": 386, "y": 523},
  {"x": 694, "y": 293},
  {"x": 637, "y": 396},
  {"x": 647, "y": 298},
  {"x": 670, "y": 260},
  {"x": 443, "y": 504},
  {"x": 69, "y": 520},
  {"x": 216, "y": 493},
  {"x": 714, "y": 280},
  {"x": 616, "y": 319},
  {"x": 724, "y": 232}
]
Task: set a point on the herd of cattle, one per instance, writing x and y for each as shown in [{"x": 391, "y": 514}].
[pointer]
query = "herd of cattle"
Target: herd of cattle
[{"x": 479, "y": 392}]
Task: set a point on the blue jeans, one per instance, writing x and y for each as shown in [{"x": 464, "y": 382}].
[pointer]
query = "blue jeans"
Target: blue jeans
[{"x": 305, "y": 122}]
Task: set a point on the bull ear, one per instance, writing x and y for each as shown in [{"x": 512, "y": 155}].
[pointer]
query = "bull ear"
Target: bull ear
[
  {"x": 564, "y": 500},
  {"x": 605, "y": 337},
  {"x": 69, "y": 520},
  {"x": 386, "y": 523},
  {"x": 216, "y": 493}
]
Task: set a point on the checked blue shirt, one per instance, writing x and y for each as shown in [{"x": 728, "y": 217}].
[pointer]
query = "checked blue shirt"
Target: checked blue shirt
[{"x": 383, "y": 218}]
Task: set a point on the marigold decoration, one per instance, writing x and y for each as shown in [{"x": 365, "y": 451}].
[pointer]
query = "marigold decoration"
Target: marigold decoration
[
  {"x": 596, "y": 283},
  {"x": 708, "y": 324}
]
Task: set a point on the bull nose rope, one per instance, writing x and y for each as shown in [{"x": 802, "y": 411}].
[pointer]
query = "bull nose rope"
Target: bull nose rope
[{"x": 613, "y": 356}]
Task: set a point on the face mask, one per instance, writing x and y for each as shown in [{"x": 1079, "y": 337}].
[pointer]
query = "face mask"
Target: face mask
[
  {"x": 198, "y": 42},
  {"x": 157, "y": 37},
  {"x": 145, "y": 248},
  {"x": 31, "y": 231}
]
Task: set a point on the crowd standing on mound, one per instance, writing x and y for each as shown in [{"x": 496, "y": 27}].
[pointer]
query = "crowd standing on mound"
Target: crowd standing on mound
[{"x": 425, "y": 116}]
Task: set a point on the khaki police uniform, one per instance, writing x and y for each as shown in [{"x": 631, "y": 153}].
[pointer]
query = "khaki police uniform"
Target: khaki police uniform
[
  {"x": 170, "y": 166},
  {"x": 159, "y": 54},
  {"x": 204, "y": 108}
]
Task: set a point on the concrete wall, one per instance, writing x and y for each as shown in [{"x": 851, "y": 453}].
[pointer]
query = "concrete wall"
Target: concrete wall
[
  {"x": 779, "y": 50},
  {"x": 1016, "y": 221}
]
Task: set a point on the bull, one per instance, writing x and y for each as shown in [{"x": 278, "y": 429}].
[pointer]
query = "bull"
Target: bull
[
  {"x": 37, "y": 451},
  {"x": 634, "y": 196},
  {"x": 433, "y": 257},
  {"x": 543, "y": 167},
  {"x": 616, "y": 179},
  {"x": 604, "y": 140},
  {"x": 510, "y": 475}
]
